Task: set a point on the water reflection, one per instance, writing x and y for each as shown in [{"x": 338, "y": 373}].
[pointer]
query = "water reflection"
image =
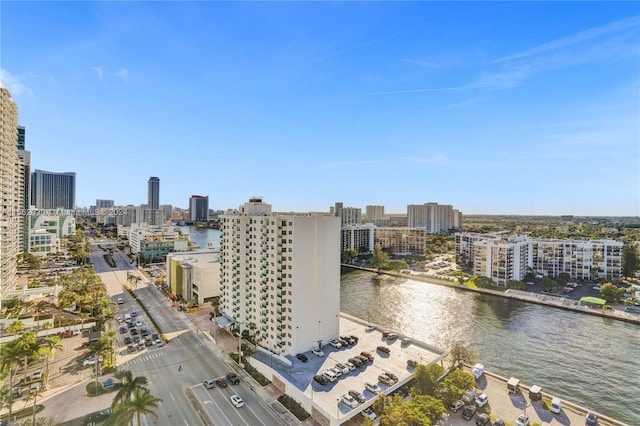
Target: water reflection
[{"x": 590, "y": 360}]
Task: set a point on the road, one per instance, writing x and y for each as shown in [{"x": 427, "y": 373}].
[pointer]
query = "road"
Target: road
[{"x": 194, "y": 352}]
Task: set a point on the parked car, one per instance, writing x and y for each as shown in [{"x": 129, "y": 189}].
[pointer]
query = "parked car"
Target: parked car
[
  {"x": 498, "y": 422},
  {"x": 88, "y": 362},
  {"x": 383, "y": 349},
  {"x": 336, "y": 371},
  {"x": 468, "y": 411},
  {"x": 350, "y": 366},
  {"x": 482, "y": 419},
  {"x": 237, "y": 401},
  {"x": 356, "y": 361},
  {"x": 97, "y": 417},
  {"x": 35, "y": 387},
  {"x": 367, "y": 355},
  {"x": 232, "y": 378},
  {"x": 412, "y": 363},
  {"x": 133, "y": 331},
  {"x": 144, "y": 332},
  {"x": 343, "y": 368},
  {"x": 131, "y": 348},
  {"x": 342, "y": 341},
  {"x": 368, "y": 412},
  {"x": 221, "y": 382},
  {"x": 455, "y": 406},
  {"x": 591, "y": 419},
  {"x": 120, "y": 301},
  {"x": 159, "y": 343},
  {"x": 370, "y": 328},
  {"x": 523, "y": 420},
  {"x": 209, "y": 383},
  {"x": 141, "y": 345},
  {"x": 482, "y": 400},
  {"x": 36, "y": 375},
  {"x": 391, "y": 376},
  {"x": 320, "y": 379},
  {"x": 127, "y": 340},
  {"x": 123, "y": 330},
  {"x": 349, "y": 400},
  {"x": 386, "y": 379},
  {"x": 363, "y": 359},
  {"x": 335, "y": 343},
  {"x": 373, "y": 388},
  {"x": 155, "y": 336},
  {"x": 302, "y": 357},
  {"x": 357, "y": 395},
  {"x": 356, "y": 339},
  {"x": 317, "y": 352}
]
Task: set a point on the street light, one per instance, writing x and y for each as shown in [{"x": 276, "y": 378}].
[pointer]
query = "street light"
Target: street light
[{"x": 238, "y": 323}]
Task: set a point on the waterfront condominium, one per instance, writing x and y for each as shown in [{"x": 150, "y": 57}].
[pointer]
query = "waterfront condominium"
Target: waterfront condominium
[
  {"x": 153, "y": 193},
  {"x": 199, "y": 208},
  {"x": 51, "y": 190},
  {"x": 280, "y": 276},
  {"x": 10, "y": 202}
]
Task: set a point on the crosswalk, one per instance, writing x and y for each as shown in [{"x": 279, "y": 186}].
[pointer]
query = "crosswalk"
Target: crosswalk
[{"x": 161, "y": 352}]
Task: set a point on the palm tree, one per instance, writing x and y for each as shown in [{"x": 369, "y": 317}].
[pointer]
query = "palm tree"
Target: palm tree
[
  {"x": 127, "y": 385},
  {"x": 15, "y": 327},
  {"x": 141, "y": 405},
  {"x": 28, "y": 343},
  {"x": 51, "y": 344},
  {"x": 40, "y": 307},
  {"x": 11, "y": 353}
]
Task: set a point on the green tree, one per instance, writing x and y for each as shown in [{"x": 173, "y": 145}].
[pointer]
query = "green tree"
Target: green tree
[
  {"x": 611, "y": 292},
  {"x": 461, "y": 355},
  {"x": 428, "y": 406},
  {"x": 128, "y": 384},
  {"x": 454, "y": 385},
  {"x": 395, "y": 265},
  {"x": 127, "y": 411},
  {"x": 349, "y": 255},
  {"x": 426, "y": 379},
  {"x": 11, "y": 353},
  {"x": 378, "y": 257},
  {"x": 548, "y": 284},
  {"x": 563, "y": 278},
  {"x": 516, "y": 285},
  {"x": 49, "y": 347},
  {"x": 629, "y": 259}
]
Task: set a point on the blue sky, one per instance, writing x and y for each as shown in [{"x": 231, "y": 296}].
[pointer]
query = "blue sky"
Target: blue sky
[{"x": 495, "y": 108}]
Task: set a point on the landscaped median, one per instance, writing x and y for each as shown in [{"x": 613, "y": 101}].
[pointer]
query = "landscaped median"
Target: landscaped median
[{"x": 197, "y": 406}]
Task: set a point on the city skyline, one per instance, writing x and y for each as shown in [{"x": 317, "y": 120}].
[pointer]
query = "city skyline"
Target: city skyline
[{"x": 494, "y": 108}]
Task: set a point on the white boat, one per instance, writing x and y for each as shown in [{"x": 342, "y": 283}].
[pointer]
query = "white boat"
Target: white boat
[{"x": 477, "y": 371}]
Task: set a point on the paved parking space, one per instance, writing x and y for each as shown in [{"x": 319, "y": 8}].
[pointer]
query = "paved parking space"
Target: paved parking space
[{"x": 328, "y": 396}]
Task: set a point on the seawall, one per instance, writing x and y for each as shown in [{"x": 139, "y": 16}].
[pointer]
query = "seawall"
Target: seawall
[{"x": 546, "y": 300}]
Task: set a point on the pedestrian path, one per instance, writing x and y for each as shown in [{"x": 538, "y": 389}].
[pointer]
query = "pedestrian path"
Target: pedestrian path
[{"x": 159, "y": 353}]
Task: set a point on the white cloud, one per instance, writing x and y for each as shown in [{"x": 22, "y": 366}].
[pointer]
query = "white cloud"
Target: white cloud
[
  {"x": 99, "y": 72},
  {"x": 592, "y": 33},
  {"x": 123, "y": 74},
  {"x": 13, "y": 84}
]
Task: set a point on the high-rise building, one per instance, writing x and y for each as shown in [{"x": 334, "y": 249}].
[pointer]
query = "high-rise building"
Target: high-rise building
[
  {"x": 432, "y": 217},
  {"x": 374, "y": 214},
  {"x": 280, "y": 276},
  {"x": 21, "y": 138},
  {"x": 23, "y": 188},
  {"x": 9, "y": 203},
  {"x": 51, "y": 190},
  {"x": 153, "y": 193},
  {"x": 199, "y": 208}
]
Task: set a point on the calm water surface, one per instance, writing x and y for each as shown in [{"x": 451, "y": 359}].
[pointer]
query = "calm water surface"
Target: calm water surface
[{"x": 586, "y": 359}]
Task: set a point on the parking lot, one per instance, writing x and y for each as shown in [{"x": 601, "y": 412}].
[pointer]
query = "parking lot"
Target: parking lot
[{"x": 328, "y": 398}]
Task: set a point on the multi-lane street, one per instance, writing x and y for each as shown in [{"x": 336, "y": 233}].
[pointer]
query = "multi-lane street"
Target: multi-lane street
[{"x": 185, "y": 361}]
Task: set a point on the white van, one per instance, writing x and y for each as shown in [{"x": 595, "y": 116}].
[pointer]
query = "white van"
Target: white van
[
  {"x": 555, "y": 406},
  {"x": 330, "y": 375},
  {"x": 127, "y": 317}
]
